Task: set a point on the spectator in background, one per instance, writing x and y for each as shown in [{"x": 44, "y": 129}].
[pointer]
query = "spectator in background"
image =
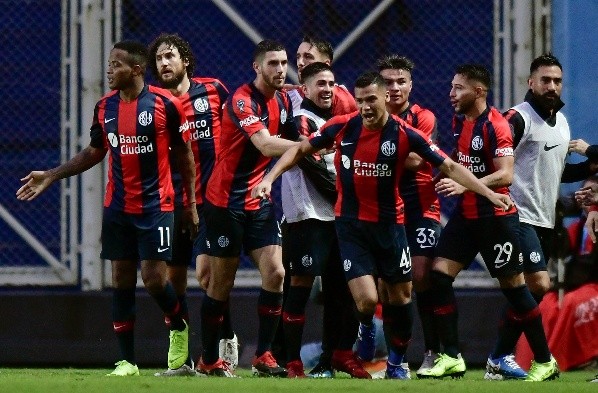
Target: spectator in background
[
  {"x": 583, "y": 265},
  {"x": 137, "y": 125},
  {"x": 172, "y": 63}
]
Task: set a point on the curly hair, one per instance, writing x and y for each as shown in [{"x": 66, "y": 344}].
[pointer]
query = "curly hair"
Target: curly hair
[{"x": 173, "y": 40}]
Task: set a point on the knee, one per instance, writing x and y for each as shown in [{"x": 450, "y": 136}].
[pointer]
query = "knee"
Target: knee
[
  {"x": 153, "y": 281},
  {"x": 366, "y": 305},
  {"x": 539, "y": 288}
]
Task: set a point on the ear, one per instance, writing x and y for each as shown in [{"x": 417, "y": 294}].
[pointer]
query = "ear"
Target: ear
[
  {"x": 386, "y": 96},
  {"x": 137, "y": 70},
  {"x": 304, "y": 89},
  {"x": 529, "y": 83},
  {"x": 256, "y": 68}
]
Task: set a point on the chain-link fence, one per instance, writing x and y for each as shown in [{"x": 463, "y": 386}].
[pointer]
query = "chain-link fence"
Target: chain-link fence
[
  {"x": 29, "y": 128},
  {"x": 437, "y": 34}
]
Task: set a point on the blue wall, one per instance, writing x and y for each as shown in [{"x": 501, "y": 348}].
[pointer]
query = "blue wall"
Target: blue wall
[{"x": 575, "y": 43}]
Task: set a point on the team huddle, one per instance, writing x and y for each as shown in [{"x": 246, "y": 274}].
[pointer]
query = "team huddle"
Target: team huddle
[{"x": 189, "y": 179}]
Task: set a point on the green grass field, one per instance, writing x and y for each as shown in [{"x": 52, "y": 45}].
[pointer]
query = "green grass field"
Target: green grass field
[{"x": 94, "y": 380}]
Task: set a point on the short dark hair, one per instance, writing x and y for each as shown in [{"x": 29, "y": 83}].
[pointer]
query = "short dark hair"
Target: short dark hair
[
  {"x": 321, "y": 45},
  {"x": 369, "y": 78},
  {"x": 313, "y": 69},
  {"x": 176, "y": 41},
  {"x": 395, "y": 62},
  {"x": 546, "y": 60},
  {"x": 476, "y": 72},
  {"x": 136, "y": 50},
  {"x": 267, "y": 46}
]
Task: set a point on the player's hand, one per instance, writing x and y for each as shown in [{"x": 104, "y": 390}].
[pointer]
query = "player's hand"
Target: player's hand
[
  {"x": 190, "y": 221},
  {"x": 262, "y": 190},
  {"x": 501, "y": 200},
  {"x": 449, "y": 187},
  {"x": 578, "y": 146},
  {"x": 35, "y": 183},
  {"x": 587, "y": 195},
  {"x": 592, "y": 225}
]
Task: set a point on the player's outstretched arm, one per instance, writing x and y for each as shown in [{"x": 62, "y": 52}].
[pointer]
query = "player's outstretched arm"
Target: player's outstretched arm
[
  {"x": 284, "y": 163},
  {"x": 271, "y": 146},
  {"x": 36, "y": 182},
  {"x": 464, "y": 177}
]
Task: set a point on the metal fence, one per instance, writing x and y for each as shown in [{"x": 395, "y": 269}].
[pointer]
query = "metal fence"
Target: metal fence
[{"x": 53, "y": 71}]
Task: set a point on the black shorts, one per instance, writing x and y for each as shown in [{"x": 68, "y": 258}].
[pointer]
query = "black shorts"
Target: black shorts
[
  {"x": 229, "y": 231},
  {"x": 422, "y": 236},
  {"x": 493, "y": 237},
  {"x": 535, "y": 244},
  {"x": 309, "y": 246},
  {"x": 377, "y": 249},
  {"x": 184, "y": 249},
  {"x": 146, "y": 236}
]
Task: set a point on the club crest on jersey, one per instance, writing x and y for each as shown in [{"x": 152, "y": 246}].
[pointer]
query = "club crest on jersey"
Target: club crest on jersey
[
  {"x": 113, "y": 139},
  {"x": 347, "y": 265},
  {"x": 223, "y": 241},
  {"x": 306, "y": 261},
  {"x": 201, "y": 105},
  {"x": 477, "y": 143},
  {"x": 346, "y": 162},
  {"x": 145, "y": 118},
  {"x": 388, "y": 148},
  {"x": 241, "y": 105},
  {"x": 283, "y": 116}
]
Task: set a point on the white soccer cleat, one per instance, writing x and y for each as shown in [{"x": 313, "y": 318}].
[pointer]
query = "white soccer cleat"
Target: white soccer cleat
[{"x": 228, "y": 349}]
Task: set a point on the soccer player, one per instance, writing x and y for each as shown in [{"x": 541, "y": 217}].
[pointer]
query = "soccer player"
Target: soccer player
[
  {"x": 485, "y": 146},
  {"x": 541, "y": 143},
  {"x": 310, "y": 50},
  {"x": 422, "y": 208},
  {"x": 308, "y": 196},
  {"x": 255, "y": 117},
  {"x": 173, "y": 64},
  {"x": 313, "y": 49},
  {"x": 371, "y": 149},
  {"x": 136, "y": 124}
]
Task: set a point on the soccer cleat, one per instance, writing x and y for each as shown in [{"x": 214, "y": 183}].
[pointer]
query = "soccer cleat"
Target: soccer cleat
[
  {"x": 366, "y": 342},
  {"x": 220, "y": 368},
  {"x": 321, "y": 371},
  {"x": 445, "y": 366},
  {"x": 348, "y": 362},
  {"x": 124, "y": 369},
  {"x": 397, "y": 372},
  {"x": 504, "y": 367},
  {"x": 543, "y": 371},
  {"x": 266, "y": 366},
  {"x": 183, "y": 371},
  {"x": 178, "y": 351},
  {"x": 595, "y": 379},
  {"x": 428, "y": 362},
  {"x": 295, "y": 369},
  {"x": 228, "y": 349}
]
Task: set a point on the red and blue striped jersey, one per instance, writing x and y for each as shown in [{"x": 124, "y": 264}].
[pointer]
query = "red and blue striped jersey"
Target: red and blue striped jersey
[
  {"x": 369, "y": 164},
  {"x": 240, "y": 166},
  {"x": 478, "y": 143},
  {"x": 203, "y": 108},
  {"x": 138, "y": 135},
  {"x": 417, "y": 188}
]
